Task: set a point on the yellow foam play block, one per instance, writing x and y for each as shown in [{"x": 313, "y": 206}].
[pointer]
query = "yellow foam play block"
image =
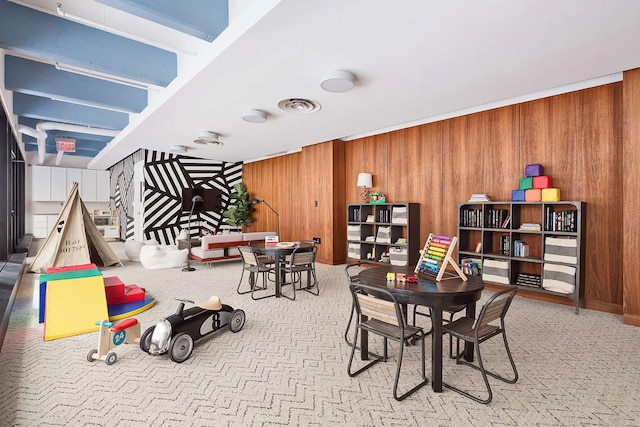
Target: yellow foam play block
[
  {"x": 550, "y": 194},
  {"x": 532, "y": 195},
  {"x": 73, "y": 306}
]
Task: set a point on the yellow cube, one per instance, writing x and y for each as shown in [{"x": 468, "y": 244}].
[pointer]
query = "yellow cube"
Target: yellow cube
[{"x": 550, "y": 194}]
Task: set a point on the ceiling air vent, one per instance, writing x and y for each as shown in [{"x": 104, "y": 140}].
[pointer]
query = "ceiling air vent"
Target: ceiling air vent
[
  {"x": 208, "y": 138},
  {"x": 298, "y": 105}
]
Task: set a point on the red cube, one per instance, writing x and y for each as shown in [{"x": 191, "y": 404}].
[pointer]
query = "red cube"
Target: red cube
[{"x": 541, "y": 182}]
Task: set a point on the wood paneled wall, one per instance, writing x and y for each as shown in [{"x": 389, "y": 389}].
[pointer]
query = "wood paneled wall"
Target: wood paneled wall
[
  {"x": 630, "y": 199},
  {"x": 577, "y": 137}
]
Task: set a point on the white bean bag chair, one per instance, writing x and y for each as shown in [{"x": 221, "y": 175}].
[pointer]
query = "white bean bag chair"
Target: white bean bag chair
[
  {"x": 154, "y": 257},
  {"x": 132, "y": 248}
]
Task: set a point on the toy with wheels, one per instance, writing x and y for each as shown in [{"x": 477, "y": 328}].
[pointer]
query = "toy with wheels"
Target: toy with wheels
[
  {"x": 111, "y": 336},
  {"x": 175, "y": 334}
]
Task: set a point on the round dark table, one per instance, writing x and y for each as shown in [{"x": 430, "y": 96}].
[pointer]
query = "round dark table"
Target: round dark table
[
  {"x": 279, "y": 254},
  {"x": 427, "y": 292}
]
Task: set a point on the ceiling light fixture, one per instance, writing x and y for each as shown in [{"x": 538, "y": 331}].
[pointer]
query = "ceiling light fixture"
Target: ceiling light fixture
[
  {"x": 179, "y": 149},
  {"x": 254, "y": 116},
  {"x": 338, "y": 81},
  {"x": 208, "y": 137}
]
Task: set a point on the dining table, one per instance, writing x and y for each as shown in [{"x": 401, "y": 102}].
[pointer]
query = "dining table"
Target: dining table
[
  {"x": 426, "y": 291},
  {"x": 279, "y": 251}
]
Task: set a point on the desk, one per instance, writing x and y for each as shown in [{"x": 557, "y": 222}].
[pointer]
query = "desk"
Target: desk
[
  {"x": 430, "y": 293},
  {"x": 279, "y": 253}
]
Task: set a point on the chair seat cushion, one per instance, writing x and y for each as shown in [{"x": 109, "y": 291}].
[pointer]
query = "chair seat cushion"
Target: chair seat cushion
[{"x": 463, "y": 329}]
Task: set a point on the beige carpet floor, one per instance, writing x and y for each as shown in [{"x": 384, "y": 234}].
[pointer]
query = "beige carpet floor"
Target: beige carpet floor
[{"x": 288, "y": 366}]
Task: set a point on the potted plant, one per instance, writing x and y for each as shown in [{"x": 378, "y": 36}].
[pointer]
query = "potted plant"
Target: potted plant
[{"x": 240, "y": 210}]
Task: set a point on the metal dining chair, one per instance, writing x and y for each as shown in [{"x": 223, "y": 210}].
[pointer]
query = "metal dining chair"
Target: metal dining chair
[
  {"x": 303, "y": 261},
  {"x": 351, "y": 271},
  {"x": 256, "y": 267},
  {"x": 384, "y": 317},
  {"x": 479, "y": 331}
]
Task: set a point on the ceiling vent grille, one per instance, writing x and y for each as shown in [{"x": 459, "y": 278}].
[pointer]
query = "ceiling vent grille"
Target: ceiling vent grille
[
  {"x": 208, "y": 138},
  {"x": 298, "y": 105}
]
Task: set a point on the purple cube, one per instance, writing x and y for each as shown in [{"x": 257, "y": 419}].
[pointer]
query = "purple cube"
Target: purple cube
[{"x": 533, "y": 170}]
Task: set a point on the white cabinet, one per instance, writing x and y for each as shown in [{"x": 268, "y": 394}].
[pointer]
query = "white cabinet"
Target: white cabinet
[
  {"x": 40, "y": 187},
  {"x": 88, "y": 185},
  {"x": 73, "y": 175},
  {"x": 51, "y": 184},
  {"x": 59, "y": 190},
  {"x": 43, "y": 224},
  {"x": 103, "y": 186}
]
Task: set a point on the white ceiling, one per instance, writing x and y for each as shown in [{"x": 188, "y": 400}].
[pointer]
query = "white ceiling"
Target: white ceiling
[{"x": 415, "y": 61}]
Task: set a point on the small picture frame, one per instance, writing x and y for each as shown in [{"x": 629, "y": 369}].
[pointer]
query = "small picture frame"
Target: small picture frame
[{"x": 271, "y": 240}]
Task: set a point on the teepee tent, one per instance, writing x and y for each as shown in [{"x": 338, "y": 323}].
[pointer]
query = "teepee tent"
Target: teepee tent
[{"x": 74, "y": 240}]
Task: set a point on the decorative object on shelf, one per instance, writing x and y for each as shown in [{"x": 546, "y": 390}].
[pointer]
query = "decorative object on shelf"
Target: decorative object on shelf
[
  {"x": 385, "y": 257},
  {"x": 378, "y": 198},
  {"x": 365, "y": 181},
  {"x": 535, "y": 186},
  {"x": 436, "y": 256},
  {"x": 479, "y": 197},
  {"x": 495, "y": 271},
  {"x": 256, "y": 201},
  {"x": 194, "y": 200},
  {"x": 240, "y": 209}
]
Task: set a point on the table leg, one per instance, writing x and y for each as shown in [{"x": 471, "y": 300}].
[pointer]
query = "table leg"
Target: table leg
[
  {"x": 279, "y": 279},
  {"x": 436, "y": 348},
  {"x": 468, "y": 346}
]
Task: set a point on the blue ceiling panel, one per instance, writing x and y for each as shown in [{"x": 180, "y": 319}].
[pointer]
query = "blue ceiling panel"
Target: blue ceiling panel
[
  {"x": 37, "y": 107},
  {"x": 37, "y": 78},
  {"x": 204, "y": 19},
  {"x": 55, "y": 39}
]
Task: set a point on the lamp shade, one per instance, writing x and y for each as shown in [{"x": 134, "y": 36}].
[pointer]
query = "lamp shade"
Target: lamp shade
[{"x": 365, "y": 180}]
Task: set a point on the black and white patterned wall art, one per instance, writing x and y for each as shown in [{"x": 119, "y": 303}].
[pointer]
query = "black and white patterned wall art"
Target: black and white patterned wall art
[{"x": 165, "y": 175}]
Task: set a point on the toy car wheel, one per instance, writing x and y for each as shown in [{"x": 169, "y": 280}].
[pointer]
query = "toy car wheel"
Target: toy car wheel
[
  {"x": 181, "y": 347},
  {"x": 111, "y": 358},
  {"x": 237, "y": 320},
  {"x": 90, "y": 355},
  {"x": 145, "y": 339}
]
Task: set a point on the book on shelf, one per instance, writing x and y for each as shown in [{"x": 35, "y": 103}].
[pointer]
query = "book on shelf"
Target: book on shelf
[
  {"x": 479, "y": 197},
  {"x": 527, "y": 226},
  {"x": 371, "y": 218}
]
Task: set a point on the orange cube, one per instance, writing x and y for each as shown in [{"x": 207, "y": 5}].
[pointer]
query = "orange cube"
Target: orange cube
[{"x": 534, "y": 195}]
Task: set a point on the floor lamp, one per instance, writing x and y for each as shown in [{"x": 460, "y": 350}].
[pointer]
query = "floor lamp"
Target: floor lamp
[
  {"x": 254, "y": 201},
  {"x": 196, "y": 199}
]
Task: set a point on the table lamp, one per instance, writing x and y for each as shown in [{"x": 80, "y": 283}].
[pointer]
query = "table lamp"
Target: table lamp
[{"x": 365, "y": 181}]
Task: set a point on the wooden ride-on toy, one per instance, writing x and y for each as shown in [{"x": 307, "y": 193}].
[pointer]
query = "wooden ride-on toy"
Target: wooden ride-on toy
[{"x": 111, "y": 336}]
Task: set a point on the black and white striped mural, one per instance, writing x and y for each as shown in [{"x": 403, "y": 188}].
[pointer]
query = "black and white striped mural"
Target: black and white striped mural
[{"x": 165, "y": 175}]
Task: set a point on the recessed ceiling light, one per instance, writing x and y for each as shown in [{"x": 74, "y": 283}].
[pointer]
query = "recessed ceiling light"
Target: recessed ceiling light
[
  {"x": 254, "y": 116},
  {"x": 298, "y": 105},
  {"x": 338, "y": 81},
  {"x": 179, "y": 149},
  {"x": 208, "y": 137}
]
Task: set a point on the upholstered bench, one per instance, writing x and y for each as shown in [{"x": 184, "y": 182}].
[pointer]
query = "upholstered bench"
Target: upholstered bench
[{"x": 225, "y": 246}]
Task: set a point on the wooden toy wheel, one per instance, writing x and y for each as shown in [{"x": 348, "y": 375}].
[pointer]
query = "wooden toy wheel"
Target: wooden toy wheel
[
  {"x": 90, "y": 355},
  {"x": 111, "y": 358},
  {"x": 237, "y": 320},
  {"x": 181, "y": 347},
  {"x": 145, "y": 339}
]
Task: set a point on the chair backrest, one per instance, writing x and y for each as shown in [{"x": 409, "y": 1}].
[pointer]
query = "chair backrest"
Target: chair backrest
[
  {"x": 496, "y": 307},
  {"x": 303, "y": 258},
  {"x": 385, "y": 309},
  {"x": 248, "y": 256},
  {"x": 353, "y": 278}
]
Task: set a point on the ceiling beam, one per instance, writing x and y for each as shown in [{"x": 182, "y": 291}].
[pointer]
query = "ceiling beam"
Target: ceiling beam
[
  {"x": 55, "y": 39},
  {"x": 40, "y": 108},
  {"x": 204, "y": 19},
  {"x": 36, "y": 78}
]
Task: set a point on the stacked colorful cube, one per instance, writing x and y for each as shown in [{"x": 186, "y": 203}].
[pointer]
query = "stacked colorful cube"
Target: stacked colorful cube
[{"x": 535, "y": 186}]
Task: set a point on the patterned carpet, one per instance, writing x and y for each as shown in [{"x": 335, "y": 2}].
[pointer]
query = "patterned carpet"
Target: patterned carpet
[{"x": 288, "y": 367}]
